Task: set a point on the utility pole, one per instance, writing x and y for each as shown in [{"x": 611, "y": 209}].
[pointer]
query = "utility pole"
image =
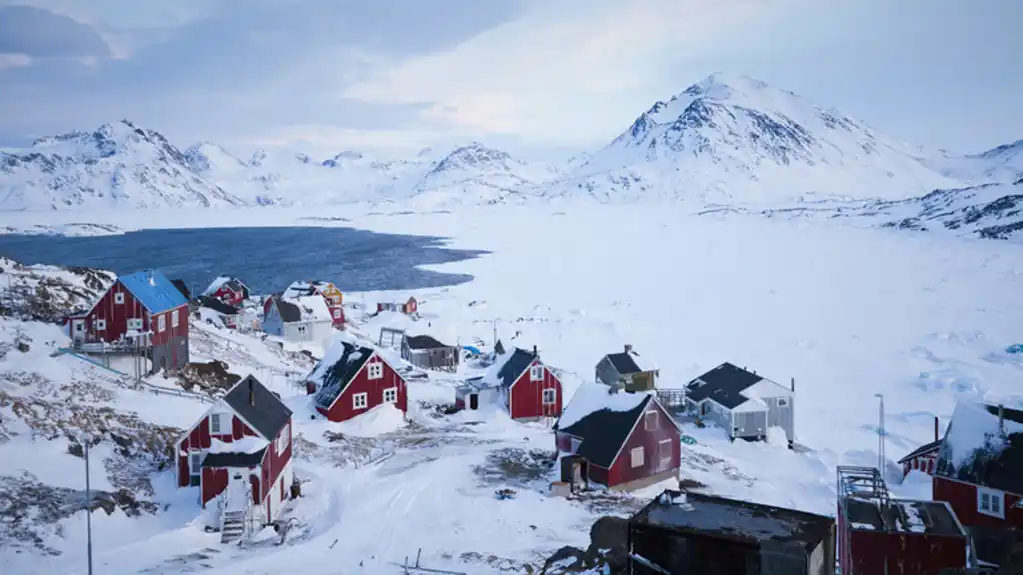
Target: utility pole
[
  {"x": 88, "y": 510},
  {"x": 880, "y": 434}
]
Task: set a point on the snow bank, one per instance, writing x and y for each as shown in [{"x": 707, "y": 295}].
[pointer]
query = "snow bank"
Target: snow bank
[
  {"x": 383, "y": 418},
  {"x": 591, "y": 397},
  {"x": 971, "y": 427}
]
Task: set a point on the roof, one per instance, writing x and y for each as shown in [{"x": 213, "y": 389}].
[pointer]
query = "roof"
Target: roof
[
  {"x": 922, "y": 450},
  {"x": 180, "y": 284},
  {"x": 602, "y": 420},
  {"x": 724, "y": 385},
  {"x": 975, "y": 451},
  {"x": 735, "y": 520},
  {"x": 153, "y": 290},
  {"x": 423, "y": 342},
  {"x": 902, "y": 516},
  {"x": 258, "y": 406},
  {"x": 627, "y": 362},
  {"x": 337, "y": 369},
  {"x": 508, "y": 367},
  {"x": 306, "y": 288},
  {"x": 233, "y": 459},
  {"x": 305, "y": 308},
  {"x": 233, "y": 284},
  {"x": 217, "y": 305}
]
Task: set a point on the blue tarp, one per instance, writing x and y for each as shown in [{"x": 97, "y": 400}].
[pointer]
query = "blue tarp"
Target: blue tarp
[
  {"x": 1015, "y": 348},
  {"x": 471, "y": 349}
]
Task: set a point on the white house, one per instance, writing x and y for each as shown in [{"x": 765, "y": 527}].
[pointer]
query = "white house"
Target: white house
[
  {"x": 742, "y": 402},
  {"x": 305, "y": 318}
]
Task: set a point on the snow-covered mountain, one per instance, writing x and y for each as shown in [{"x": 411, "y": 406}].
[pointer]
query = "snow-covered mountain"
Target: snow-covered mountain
[
  {"x": 1000, "y": 164},
  {"x": 118, "y": 164},
  {"x": 728, "y": 139}
]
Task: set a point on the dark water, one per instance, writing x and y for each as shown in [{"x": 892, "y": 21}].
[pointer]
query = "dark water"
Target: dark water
[{"x": 266, "y": 259}]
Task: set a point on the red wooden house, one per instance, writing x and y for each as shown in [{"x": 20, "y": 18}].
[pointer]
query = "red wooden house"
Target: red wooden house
[
  {"x": 239, "y": 452},
  {"x": 228, "y": 290},
  {"x": 980, "y": 466},
  {"x": 623, "y": 440},
  {"x": 878, "y": 535},
  {"x": 408, "y": 308},
  {"x": 924, "y": 458},
  {"x": 327, "y": 290},
  {"x": 521, "y": 382},
  {"x": 350, "y": 380},
  {"x": 143, "y": 312}
]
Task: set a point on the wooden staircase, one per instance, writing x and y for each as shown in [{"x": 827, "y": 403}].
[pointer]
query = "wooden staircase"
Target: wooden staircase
[{"x": 232, "y": 526}]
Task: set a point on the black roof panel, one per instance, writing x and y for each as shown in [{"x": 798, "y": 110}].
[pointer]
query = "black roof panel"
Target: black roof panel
[{"x": 259, "y": 407}]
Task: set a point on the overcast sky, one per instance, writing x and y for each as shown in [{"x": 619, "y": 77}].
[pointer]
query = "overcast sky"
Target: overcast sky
[{"x": 538, "y": 74}]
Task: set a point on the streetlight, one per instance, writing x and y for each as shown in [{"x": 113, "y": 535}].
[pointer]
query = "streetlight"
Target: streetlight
[
  {"x": 880, "y": 433},
  {"x": 88, "y": 502}
]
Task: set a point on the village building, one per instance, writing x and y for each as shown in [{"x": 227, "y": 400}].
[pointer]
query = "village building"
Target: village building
[
  {"x": 141, "y": 313},
  {"x": 239, "y": 454},
  {"x": 327, "y": 290},
  {"x": 879, "y": 535},
  {"x": 350, "y": 380},
  {"x": 425, "y": 352},
  {"x": 517, "y": 381},
  {"x": 745, "y": 404},
  {"x": 410, "y": 307},
  {"x": 180, "y": 284},
  {"x": 305, "y": 318},
  {"x": 628, "y": 370},
  {"x": 924, "y": 458},
  {"x": 391, "y": 338},
  {"x": 228, "y": 290},
  {"x": 681, "y": 532},
  {"x": 215, "y": 311},
  {"x": 621, "y": 440}
]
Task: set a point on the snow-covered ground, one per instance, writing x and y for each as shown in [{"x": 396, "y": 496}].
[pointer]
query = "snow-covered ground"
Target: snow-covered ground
[{"x": 848, "y": 312}]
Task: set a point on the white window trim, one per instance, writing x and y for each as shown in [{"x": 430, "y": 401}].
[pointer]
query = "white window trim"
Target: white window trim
[
  {"x": 360, "y": 401},
  {"x": 656, "y": 420},
  {"x": 101, "y": 324},
  {"x": 392, "y": 390},
  {"x": 636, "y": 457},
  {"x": 992, "y": 495},
  {"x": 219, "y": 418},
  {"x": 161, "y": 323},
  {"x": 783, "y": 401},
  {"x": 337, "y": 314},
  {"x": 119, "y": 298},
  {"x": 375, "y": 370},
  {"x": 175, "y": 320},
  {"x": 536, "y": 373},
  {"x": 300, "y": 328},
  {"x": 194, "y": 467},
  {"x": 135, "y": 323},
  {"x": 284, "y": 439},
  {"x": 553, "y": 396},
  {"x": 671, "y": 452}
]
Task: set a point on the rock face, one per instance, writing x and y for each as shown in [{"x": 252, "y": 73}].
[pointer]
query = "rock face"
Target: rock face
[
  {"x": 607, "y": 550},
  {"x": 46, "y": 293}
]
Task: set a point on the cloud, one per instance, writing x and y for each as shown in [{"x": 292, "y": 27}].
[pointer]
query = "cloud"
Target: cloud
[
  {"x": 14, "y": 61},
  {"x": 38, "y": 33}
]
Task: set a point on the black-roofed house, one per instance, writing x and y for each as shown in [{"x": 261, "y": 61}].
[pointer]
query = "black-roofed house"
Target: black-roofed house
[
  {"x": 426, "y": 352},
  {"x": 743, "y": 403},
  {"x": 681, "y": 532},
  {"x": 879, "y": 534},
  {"x": 519, "y": 382},
  {"x": 305, "y": 318},
  {"x": 980, "y": 466},
  {"x": 239, "y": 454},
  {"x": 228, "y": 290},
  {"x": 621, "y": 440},
  {"x": 627, "y": 369},
  {"x": 215, "y": 311},
  {"x": 350, "y": 380}
]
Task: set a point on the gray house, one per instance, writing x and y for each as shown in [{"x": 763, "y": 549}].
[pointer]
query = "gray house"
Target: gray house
[
  {"x": 305, "y": 318},
  {"x": 627, "y": 370},
  {"x": 425, "y": 352},
  {"x": 742, "y": 402}
]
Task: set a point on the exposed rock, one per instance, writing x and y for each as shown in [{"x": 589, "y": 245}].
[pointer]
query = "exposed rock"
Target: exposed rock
[
  {"x": 211, "y": 377},
  {"x": 607, "y": 550},
  {"x": 47, "y": 293}
]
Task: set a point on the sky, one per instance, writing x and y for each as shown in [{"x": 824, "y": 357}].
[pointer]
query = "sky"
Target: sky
[{"x": 537, "y": 77}]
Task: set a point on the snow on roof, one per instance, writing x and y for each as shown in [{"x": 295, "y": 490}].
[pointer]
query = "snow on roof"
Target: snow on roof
[
  {"x": 305, "y": 288},
  {"x": 591, "y": 397},
  {"x": 247, "y": 444},
  {"x": 217, "y": 283},
  {"x": 643, "y": 362},
  {"x": 973, "y": 425},
  {"x": 312, "y": 307}
]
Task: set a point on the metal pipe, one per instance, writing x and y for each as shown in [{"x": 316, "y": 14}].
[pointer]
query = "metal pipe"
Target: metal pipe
[{"x": 88, "y": 510}]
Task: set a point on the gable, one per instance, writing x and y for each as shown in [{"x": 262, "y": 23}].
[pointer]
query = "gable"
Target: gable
[
  {"x": 153, "y": 290},
  {"x": 604, "y": 432},
  {"x": 258, "y": 407},
  {"x": 339, "y": 366}
]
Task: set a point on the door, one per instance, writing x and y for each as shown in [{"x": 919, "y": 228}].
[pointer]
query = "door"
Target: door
[
  {"x": 474, "y": 401},
  {"x": 237, "y": 491},
  {"x": 78, "y": 331}
]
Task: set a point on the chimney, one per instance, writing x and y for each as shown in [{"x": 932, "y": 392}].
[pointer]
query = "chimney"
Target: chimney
[
  {"x": 793, "y": 385},
  {"x": 149, "y": 276},
  {"x": 534, "y": 351},
  {"x": 1001, "y": 420},
  {"x": 936, "y": 428},
  {"x": 628, "y": 348},
  {"x": 252, "y": 393}
]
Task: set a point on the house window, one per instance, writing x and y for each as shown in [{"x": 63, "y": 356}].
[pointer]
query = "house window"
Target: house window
[
  {"x": 375, "y": 370},
  {"x": 650, "y": 421},
  {"x": 174, "y": 319},
  {"x": 637, "y": 456},
  {"x": 337, "y": 314},
  {"x": 360, "y": 401},
  {"x": 135, "y": 323},
  {"x": 119, "y": 297},
  {"x": 782, "y": 402},
  {"x": 550, "y": 396},
  {"x": 991, "y": 502},
  {"x": 301, "y": 329},
  {"x": 161, "y": 323},
  {"x": 284, "y": 438},
  {"x": 215, "y": 424},
  {"x": 194, "y": 469},
  {"x": 664, "y": 452},
  {"x": 536, "y": 373},
  {"x": 391, "y": 395},
  {"x": 101, "y": 324}
]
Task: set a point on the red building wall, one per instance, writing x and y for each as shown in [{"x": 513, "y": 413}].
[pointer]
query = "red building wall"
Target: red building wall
[
  {"x": 526, "y": 399},
  {"x": 115, "y": 314},
  {"x": 962, "y": 497},
  {"x": 881, "y": 553},
  {"x": 622, "y": 470},
  {"x": 199, "y": 438},
  {"x": 343, "y": 409},
  {"x": 229, "y": 296},
  {"x": 922, "y": 463}
]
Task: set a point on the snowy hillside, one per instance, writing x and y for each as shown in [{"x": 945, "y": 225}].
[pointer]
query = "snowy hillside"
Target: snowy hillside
[
  {"x": 728, "y": 139},
  {"x": 117, "y": 165},
  {"x": 1000, "y": 164}
]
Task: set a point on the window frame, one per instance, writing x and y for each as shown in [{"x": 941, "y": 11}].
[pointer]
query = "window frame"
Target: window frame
[
  {"x": 360, "y": 396},
  {"x": 175, "y": 319},
  {"x": 656, "y": 421},
  {"x": 119, "y": 298},
  {"x": 101, "y": 324},
  {"x": 194, "y": 468},
  {"x": 375, "y": 370},
  {"x": 554, "y": 396},
  {"x": 995, "y": 500},
  {"x": 783, "y": 402},
  {"x": 637, "y": 453},
  {"x": 661, "y": 457},
  {"x": 536, "y": 372},
  {"x": 161, "y": 322},
  {"x": 218, "y": 417},
  {"x": 394, "y": 392},
  {"x": 284, "y": 439}
]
